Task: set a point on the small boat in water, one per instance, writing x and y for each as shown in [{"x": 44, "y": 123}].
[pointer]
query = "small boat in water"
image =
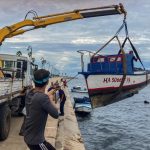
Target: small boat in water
[
  {"x": 82, "y": 105},
  {"x": 79, "y": 89}
]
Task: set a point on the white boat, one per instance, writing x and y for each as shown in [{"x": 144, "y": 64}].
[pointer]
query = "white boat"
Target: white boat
[
  {"x": 82, "y": 105},
  {"x": 107, "y": 83},
  {"x": 104, "y": 89},
  {"x": 79, "y": 89},
  {"x": 111, "y": 78}
]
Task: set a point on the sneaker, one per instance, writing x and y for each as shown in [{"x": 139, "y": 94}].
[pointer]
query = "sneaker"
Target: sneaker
[{"x": 21, "y": 133}]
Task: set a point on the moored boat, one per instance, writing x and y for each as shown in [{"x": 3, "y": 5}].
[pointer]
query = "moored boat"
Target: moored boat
[
  {"x": 82, "y": 105},
  {"x": 79, "y": 89}
]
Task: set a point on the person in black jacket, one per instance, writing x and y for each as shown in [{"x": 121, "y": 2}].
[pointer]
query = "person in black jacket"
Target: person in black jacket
[
  {"x": 38, "y": 106},
  {"x": 62, "y": 98}
]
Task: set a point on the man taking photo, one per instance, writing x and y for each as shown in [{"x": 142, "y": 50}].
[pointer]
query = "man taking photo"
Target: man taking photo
[{"x": 38, "y": 106}]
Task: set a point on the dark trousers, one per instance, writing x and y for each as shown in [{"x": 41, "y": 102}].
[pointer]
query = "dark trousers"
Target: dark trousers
[
  {"x": 22, "y": 127},
  {"x": 42, "y": 146},
  {"x": 62, "y": 103}
]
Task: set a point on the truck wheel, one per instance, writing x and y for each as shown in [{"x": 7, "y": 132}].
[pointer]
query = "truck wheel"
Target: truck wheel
[{"x": 5, "y": 119}]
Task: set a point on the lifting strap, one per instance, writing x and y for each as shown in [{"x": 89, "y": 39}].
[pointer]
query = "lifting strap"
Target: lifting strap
[
  {"x": 132, "y": 46},
  {"x": 115, "y": 36},
  {"x": 124, "y": 67},
  {"x": 123, "y": 44},
  {"x": 136, "y": 53}
]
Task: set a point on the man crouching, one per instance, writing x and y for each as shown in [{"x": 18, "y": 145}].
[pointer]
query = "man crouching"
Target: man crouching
[{"x": 38, "y": 106}]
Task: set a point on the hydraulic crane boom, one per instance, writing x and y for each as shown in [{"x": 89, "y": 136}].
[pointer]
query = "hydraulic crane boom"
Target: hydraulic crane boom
[{"x": 43, "y": 21}]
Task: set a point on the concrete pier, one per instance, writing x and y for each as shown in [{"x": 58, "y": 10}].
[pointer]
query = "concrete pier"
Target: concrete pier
[
  {"x": 69, "y": 137},
  {"x": 62, "y": 133}
]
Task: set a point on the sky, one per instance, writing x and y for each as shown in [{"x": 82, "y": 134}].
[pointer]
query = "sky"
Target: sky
[{"x": 58, "y": 43}]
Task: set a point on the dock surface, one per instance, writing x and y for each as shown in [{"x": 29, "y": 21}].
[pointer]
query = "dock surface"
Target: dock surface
[{"x": 62, "y": 133}]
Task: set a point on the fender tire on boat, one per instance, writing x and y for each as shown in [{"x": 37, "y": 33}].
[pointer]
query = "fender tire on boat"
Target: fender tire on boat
[{"x": 5, "y": 119}]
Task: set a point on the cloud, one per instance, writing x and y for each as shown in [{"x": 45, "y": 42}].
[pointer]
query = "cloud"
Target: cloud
[
  {"x": 58, "y": 43},
  {"x": 86, "y": 40},
  {"x": 60, "y": 60},
  {"x": 14, "y": 10},
  {"x": 25, "y": 39}
]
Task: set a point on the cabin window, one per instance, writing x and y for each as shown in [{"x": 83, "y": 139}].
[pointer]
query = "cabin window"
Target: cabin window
[
  {"x": 119, "y": 59},
  {"x": 24, "y": 65},
  {"x": 19, "y": 64},
  {"x": 112, "y": 59},
  {"x": 100, "y": 59},
  {"x": 8, "y": 64}
]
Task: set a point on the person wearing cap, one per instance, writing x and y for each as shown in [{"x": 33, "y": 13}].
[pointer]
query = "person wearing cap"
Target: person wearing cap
[{"x": 38, "y": 106}]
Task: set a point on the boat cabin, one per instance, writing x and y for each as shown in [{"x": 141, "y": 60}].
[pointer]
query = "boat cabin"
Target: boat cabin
[{"x": 110, "y": 64}]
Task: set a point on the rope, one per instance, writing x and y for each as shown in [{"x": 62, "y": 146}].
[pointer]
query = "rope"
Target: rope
[
  {"x": 120, "y": 49},
  {"x": 121, "y": 27},
  {"x": 124, "y": 65},
  {"x": 72, "y": 78},
  {"x": 132, "y": 46},
  {"x": 116, "y": 34},
  {"x": 126, "y": 28},
  {"x": 104, "y": 46},
  {"x": 124, "y": 25}
]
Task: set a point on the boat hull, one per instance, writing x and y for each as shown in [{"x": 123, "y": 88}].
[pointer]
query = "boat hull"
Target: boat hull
[
  {"x": 105, "y": 89},
  {"x": 83, "y": 109}
]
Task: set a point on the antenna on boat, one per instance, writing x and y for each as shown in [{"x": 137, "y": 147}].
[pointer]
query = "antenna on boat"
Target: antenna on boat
[
  {"x": 82, "y": 52},
  {"x": 82, "y": 61}
]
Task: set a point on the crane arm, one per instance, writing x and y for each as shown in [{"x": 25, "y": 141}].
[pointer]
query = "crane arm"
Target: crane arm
[{"x": 43, "y": 21}]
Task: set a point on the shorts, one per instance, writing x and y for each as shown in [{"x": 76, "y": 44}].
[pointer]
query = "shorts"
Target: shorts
[{"x": 42, "y": 146}]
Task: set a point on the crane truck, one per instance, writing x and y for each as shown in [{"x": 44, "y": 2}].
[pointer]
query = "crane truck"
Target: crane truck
[{"x": 12, "y": 82}]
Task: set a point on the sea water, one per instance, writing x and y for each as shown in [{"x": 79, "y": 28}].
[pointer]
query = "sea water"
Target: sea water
[{"x": 124, "y": 125}]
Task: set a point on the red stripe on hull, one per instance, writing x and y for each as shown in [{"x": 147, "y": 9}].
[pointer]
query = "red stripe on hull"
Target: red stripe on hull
[{"x": 113, "y": 89}]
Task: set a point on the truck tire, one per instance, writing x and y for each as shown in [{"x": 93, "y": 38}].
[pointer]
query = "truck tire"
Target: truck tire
[{"x": 5, "y": 119}]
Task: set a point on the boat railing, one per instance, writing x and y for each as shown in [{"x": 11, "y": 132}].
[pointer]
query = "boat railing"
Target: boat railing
[
  {"x": 106, "y": 64},
  {"x": 84, "y": 52}
]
